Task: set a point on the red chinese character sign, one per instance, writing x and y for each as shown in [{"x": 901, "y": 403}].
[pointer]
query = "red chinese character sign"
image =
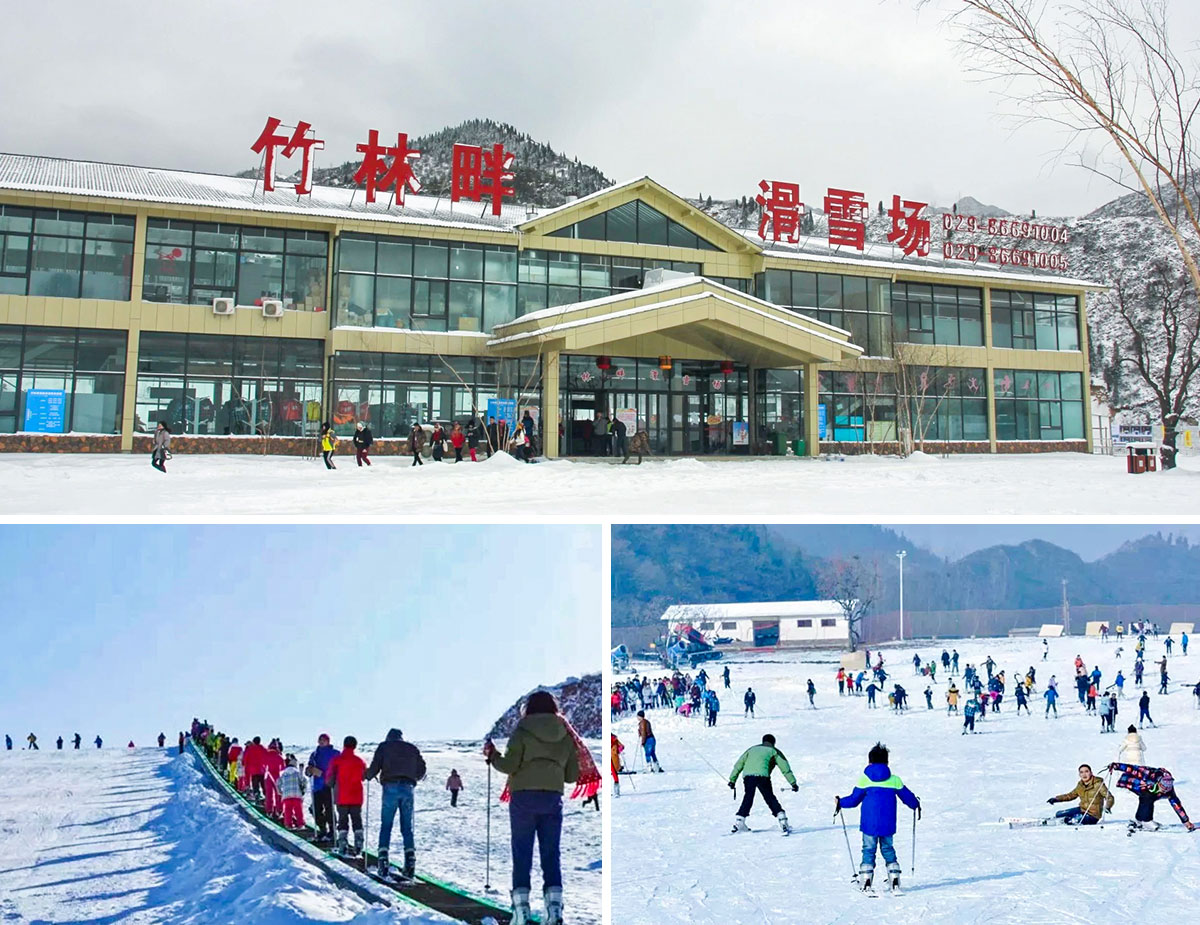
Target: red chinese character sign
[
  {"x": 847, "y": 212},
  {"x": 269, "y": 140},
  {"x": 381, "y": 175},
  {"x": 909, "y": 230},
  {"x": 475, "y": 173},
  {"x": 781, "y": 209}
]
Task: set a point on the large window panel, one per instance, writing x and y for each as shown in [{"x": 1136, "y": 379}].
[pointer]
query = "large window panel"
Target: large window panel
[
  {"x": 466, "y": 262},
  {"x": 622, "y": 223},
  {"x": 652, "y": 225},
  {"x": 393, "y": 301},
  {"x": 466, "y": 306},
  {"x": 56, "y": 266},
  {"x": 499, "y": 305},
  {"x": 355, "y": 300},
  {"x": 260, "y": 277}
]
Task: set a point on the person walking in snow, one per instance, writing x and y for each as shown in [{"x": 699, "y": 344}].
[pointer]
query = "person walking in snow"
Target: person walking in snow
[
  {"x": 345, "y": 776},
  {"x": 77, "y": 740},
  {"x": 7, "y": 742},
  {"x": 32, "y": 740},
  {"x": 615, "y": 748},
  {"x": 1119, "y": 682},
  {"x": 544, "y": 753},
  {"x": 416, "y": 440},
  {"x": 322, "y": 795},
  {"x": 1022, "y": 698},
  {"x": 1144, "y": 710},
  {"x": 877, "y": 791},
  {"x": 970, "y": 709},
  {"x": 1132, "y": 749},
  {"x": 954, "y": 659},
  {"x": 726, "y": 677},
  {"x": 1045, "y": 649},
  {"x": 1150, "y": 785},
  {"x": 291, "y": 791},
  {"x": 755, "y": 766},
  {"x": 841, "y": 680},
  {"x": 748, "y": 700},
  {"x": 329, "y": 442},
  {"x": 454, "y": 784},
  {"x": 400, "y": 767},
  {"x": 161, "y": 448},
  {"x": 812, "y": 692},
  {"x": 99, "y": 742},
  {"x": 646, "y": 738},
  {"x": 1094, "y": 799},
  {"x": 1162, "y": 681},
  {"x": 60, "y": 741},
  {"x": 474, "y": 435},
  {"x": 363, "y": 438},
  {"x": 1051, "y": 696},
  {"x": 457, "y": 440},
  {"x": 437, "y": 442},
  {"x": 928, "y": 697},
  {"x": 952, "y": 699}
]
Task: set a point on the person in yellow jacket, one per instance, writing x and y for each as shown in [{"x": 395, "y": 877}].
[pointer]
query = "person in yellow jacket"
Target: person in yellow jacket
[
  {"x": 952, "y": 699},
  {"x": 328, "y": 443},
  {"x": 615, "y": 748}
]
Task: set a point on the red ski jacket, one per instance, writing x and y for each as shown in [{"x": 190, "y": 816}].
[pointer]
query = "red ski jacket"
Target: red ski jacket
[
  {"x": 273, "y": 764},
  {"x": 254, "y": 759},
  {"x": 345, "y": 774}
]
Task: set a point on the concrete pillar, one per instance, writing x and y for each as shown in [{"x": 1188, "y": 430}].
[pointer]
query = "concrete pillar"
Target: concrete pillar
[
  {"x": 990, "y": 370},
  {"x": 1086, "y": 370},
  {"x": 550, "y": 411},
  {"x": 812, "y": 444},
  {"x": 133, "y": 335}
]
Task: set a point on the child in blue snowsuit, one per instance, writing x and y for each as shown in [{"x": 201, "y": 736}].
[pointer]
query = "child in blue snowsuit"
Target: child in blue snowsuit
[{"x": 877, "y": 790}]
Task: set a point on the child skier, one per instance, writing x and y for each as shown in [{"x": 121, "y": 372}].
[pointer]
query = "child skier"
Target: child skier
[
  {"x": 748, "y": 700},
  {"x": 345, "y": 776},
  {"x": 877, "y": 790},
  {"x": 952, "y": 699},
  {"x": 291, "y": 789},
  {"x": 1150, "y": 784},
  {"x": 970, "y": 708},
  {"x": 755, "y": 766},
  {"x": 1094, "y": 799},
  {"x": 1051, "y": 696}
]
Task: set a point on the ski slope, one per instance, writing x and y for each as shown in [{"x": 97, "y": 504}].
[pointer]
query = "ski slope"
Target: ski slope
[
  {"x": 135, "y": 837},
  {"x": 672, "y": 860},
  {"x": 1039, "y": 484}
]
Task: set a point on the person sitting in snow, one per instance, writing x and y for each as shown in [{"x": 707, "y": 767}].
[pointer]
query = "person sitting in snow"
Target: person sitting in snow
[
  {"x": 1094, "y": 799},
  {"x": 877, "y": 790}
]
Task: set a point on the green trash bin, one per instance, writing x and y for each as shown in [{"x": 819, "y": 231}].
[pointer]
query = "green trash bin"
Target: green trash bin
[
  {"x": 798, "y": 447},
  {"x": 780, "y": 442}
]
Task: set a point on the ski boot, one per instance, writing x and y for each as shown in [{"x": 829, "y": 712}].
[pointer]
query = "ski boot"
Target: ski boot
[
  {"x": 783, "y": 823},
  {"x": 739, "y": 825},
  {"x": 895, "y": 883},
  {"x": 340, "y": 847},
  {"x": 358, "y": 843},
  {"x": 410, "y": 865},
  {"x": 616, "y": 788},
  {"x": 866, "y": 886},
  {"x": 554, "y": 906},
  {"x": 521, "y": 912},
  {"x": 382, "y": 866}
]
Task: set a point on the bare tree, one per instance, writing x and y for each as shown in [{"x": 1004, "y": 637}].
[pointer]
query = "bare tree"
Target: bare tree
[
  {"x": 1106, "y": 70},
  {"x": 1160, "y": 333},
  {"x": 921, "y": 390},
  {"x": 852, "y": 584}
]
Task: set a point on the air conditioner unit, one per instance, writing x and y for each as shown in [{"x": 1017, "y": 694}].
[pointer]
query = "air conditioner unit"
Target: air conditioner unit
[
  {"x": 223, "y": 307},
  {"x": 272, "y": 308}
]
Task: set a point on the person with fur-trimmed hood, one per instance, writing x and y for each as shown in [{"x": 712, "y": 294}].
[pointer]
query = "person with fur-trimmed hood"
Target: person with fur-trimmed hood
[
  {"x": 755, "y": 766},
  {"x": 877, "y": 790}
]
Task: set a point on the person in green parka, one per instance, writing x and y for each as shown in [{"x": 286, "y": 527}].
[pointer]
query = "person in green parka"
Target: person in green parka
[
  {"x": 755, "y": 766},
  {"x": 542, "y": 756}
]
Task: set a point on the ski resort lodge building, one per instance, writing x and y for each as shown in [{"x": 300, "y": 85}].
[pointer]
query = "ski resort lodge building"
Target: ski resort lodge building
[
  {"x": 130, "y": 295},
  {"x": 766, "y": 623}
]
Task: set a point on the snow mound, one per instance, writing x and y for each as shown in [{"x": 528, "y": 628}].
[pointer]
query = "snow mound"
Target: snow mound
[{"x": 501, "y": 459}]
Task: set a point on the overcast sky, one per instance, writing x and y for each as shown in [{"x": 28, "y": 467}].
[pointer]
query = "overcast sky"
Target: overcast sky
[
  {"x": 287, "y": 630},
  {"x": 1089, "y": 541},
  {"x": 705, "y": 96}
]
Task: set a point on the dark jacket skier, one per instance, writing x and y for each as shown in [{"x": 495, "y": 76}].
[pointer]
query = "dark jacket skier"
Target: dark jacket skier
[
  {"x": 1150, "y": 785},
  {"x": 362, "y": 443},
  {"x": 78, "y": 738},
  {"x": 99, "y": 742},
  {"x": 399, "y": 766},
  {"x": 749, "y": 700}
]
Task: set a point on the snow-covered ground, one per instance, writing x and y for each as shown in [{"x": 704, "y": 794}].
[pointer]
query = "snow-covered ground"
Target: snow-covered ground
[
  {"x": 979, "y": 484},
  {"x": 673, "y": 862},
  {"x": 135, "y": 837}
]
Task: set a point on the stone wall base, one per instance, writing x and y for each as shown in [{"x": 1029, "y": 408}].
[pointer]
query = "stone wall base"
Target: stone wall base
[{"x": 967, "y": 446}]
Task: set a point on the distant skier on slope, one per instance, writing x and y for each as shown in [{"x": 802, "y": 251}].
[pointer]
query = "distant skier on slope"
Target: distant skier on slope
[
  {"x": 99, "y": 742},
  {"x": 1150, "y": 785},
  {"x": 8, "y": 742},
  {"x": 162, "y": 739},
  {"x": 78, "y": 738},
  {"x": 1094, "y": 799},
  {"x": 1051, "y": 696},
  {"x": 812, "y": 692},
  {"x": 749, "y": 700},
  {"x": 755, "y": 766},
  {"x": 877, "y": 790},
  {"x": 726, "y": 677},
  {"x": 32, "y": 740},
  {"x": 1144, "y": 710},
  {"x": 59, "y": 740}
]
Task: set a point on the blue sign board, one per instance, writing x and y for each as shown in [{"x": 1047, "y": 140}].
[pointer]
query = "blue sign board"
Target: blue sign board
[
  {"x": 821, "y": 422},
  {"x": 45, "y": 411},
  {"x": 503, "y": 409}
]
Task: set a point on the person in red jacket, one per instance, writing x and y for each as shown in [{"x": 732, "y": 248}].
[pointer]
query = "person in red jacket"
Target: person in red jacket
[
  {"x": 273, "y": 765},
  {"x": 253, "y": 762},
  {"x": 345, "y": 776},
  {"x": 457, "y": 439}
]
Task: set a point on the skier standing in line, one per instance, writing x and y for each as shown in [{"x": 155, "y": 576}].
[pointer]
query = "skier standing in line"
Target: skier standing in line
[
  {"x": 1144, "y": 710},
  {"x": 877, "y": 790},
  {"x": 1051, "y": 696},
  {"x": 454, "y": 784},
  {"x": 748, "y": 700},
  {"x": 99, "y": 742},
  {"x": 291, "y": 789},
  {"x": 8, "y": 742},
  {"x": 646, "y": 737},
  {"x": 60, "y": 741},
  {"x": 362, "y": 444},
  {"x": 1150, "y": 785},
  {"x": 755, "y": 765},
  {"x": 254, "y": 761},
  {"x": 162, "y": 740},
  {"x": 78, "y": 738},
  {"x": 1094, "y": 799},
  {"x": 32, "y": 740},
  {"x": 322, "y": 795},
  {"x": 345, "y": 776},
  {"x": 399, "y": 766}
]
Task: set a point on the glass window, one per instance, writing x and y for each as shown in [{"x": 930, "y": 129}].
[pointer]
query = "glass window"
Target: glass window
[
  {"x": 530, "y": 299},
  {"x": 500, "y": 265},
  {"x": 499, "y": 305},
  {"x": 652, "y": 225},
  {"x": 854, "y": 293},
  {"x": 564, "y": 269},
  {"x": 267, "y": 240},
  {"x": 590, "y": 228},
  {"x": 593, "y": 271},
  {"x": 53, "y": 221},
  {"x": 395, "y": 258},
  {"x": 429, "y": 299},
  {"x": 466, "y": 306},
  {"x": 678, "y": 236},
  {"x": 304, "y": 283},
  {"x": 393, "y": 301},
  {"x": 778, "y": 287},
  {"x": 466, "y": 262},
  {"x": 804, "y": 290},
  {"x": 431, "y": 260},
  {"x": 16, "y": 218},
  {"x": 533, "y": 267},
  {"x": 945, "y": 320},
  {"x": 100, "y": 351},
  {"x": 310, "y": 243},
  {"x": 49, "y": 348},
  {"x": 56, "y": 265},
  {"x": 622, "y": 222},
  {"x": 355, "y": 300},
  {"x": 107, "y": 269},
  {"x": 222, "y": 237},
  {"x": 260, "y": 277},
  {"x": 356, "y": 254},
  {"x": 829, "y": 292},
  {"x": 110, "y": 227}
]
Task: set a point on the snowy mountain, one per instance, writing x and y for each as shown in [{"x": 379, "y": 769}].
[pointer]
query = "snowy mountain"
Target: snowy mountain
[{"x": 579, "y": 700}]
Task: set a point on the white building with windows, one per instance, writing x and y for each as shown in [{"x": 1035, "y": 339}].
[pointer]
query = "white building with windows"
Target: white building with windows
[{"x": 766, "y": 623}]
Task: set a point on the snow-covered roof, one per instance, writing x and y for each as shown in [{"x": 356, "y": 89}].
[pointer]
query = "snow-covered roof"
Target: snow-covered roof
[
  {"x": 753, "y": 611},
  {"x": 179, "y": 187}
]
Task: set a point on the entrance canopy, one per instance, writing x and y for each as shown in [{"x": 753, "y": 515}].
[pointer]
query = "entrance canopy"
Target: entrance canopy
[{"x": 689, "y": 318}]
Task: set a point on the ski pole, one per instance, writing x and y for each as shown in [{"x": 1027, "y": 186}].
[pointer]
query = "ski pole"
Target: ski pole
[
  {"x": 366, "y": 822},
  {"x": 912, "y": 867},
  {"x": 705, "y": 760},
  {"x": 487, "y": 878},
  {"x": 849, "y": 851}
]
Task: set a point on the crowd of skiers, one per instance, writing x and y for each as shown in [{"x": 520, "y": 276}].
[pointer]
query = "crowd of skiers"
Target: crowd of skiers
[
  {"x": 31, "y": 742},
  {"x": 544, "y": 753},
  {"x": 470, "y": 437}
]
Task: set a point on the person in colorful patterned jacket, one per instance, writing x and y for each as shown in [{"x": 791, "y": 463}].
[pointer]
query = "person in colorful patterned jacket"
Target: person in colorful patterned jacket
[
  {"x": 291, "y": 789},
  {"x": 1150, "y": 785},
  {"x": 877, "y": 790}
]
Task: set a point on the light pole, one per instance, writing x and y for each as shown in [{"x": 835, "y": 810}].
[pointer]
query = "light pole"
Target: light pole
[{"x": 900, "y": 555}]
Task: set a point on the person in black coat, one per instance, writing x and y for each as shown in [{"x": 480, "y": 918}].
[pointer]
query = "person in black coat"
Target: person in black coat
[
  {"x": 618, "y": 437},
  {"x": 399, "y": 767},
  {"x": 362, "y": 443},
  {"x": 493, "y": 437},
  {"x": 474, "y": 435},
  {"x": 528, "y": 425}
]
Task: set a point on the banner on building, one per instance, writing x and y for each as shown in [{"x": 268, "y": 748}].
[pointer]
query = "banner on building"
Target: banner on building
[
  {"x": 503, "y": 409},
  {"x": 628, "y": 417},
  {"x": 741, "y": 433}
]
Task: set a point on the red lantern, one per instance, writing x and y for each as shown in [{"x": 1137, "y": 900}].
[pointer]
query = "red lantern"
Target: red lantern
[
  {"x": 603, "y": 363},
  {"x": 664, "y": 363},
  {"x": 726, "y": 367}
]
